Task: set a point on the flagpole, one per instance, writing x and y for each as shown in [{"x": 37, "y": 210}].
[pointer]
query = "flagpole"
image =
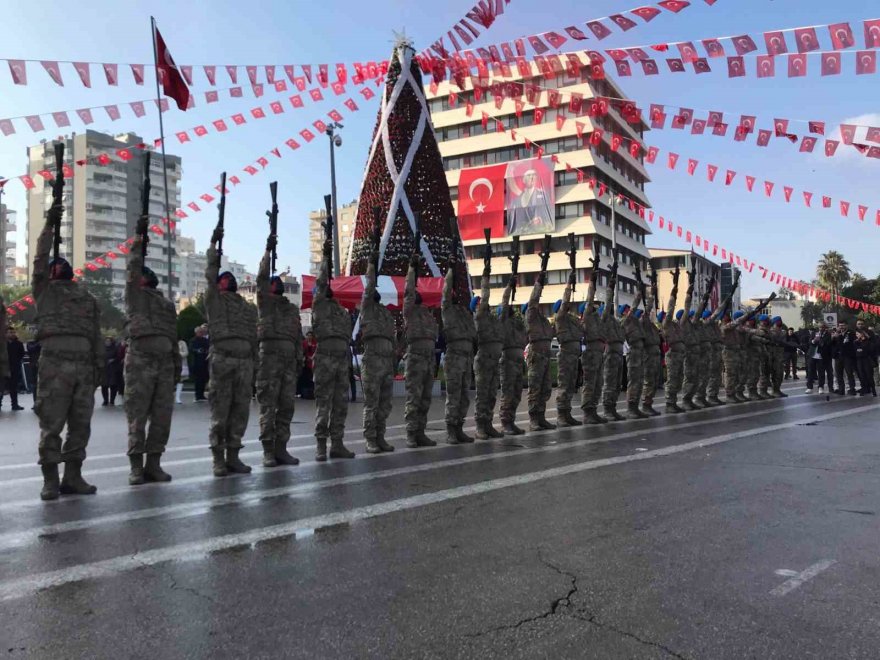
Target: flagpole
[{"x": 168, "y": 226}]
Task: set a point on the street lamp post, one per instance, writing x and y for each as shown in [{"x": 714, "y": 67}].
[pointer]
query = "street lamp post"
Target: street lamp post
[{"x": 335, "y": 141}]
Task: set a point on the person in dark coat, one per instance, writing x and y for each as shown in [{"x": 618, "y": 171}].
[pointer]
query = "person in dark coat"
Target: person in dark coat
[
  {"x": 790, "y": 352},
  {"x": 819, "y": 361},
  {"x": 843, "y": 350},
  {"x": 198, "y": 348},
  {"x": 110, "y": 384},
  {"x": 15, "y": 351},
  {"x": 866, "y": 356}
]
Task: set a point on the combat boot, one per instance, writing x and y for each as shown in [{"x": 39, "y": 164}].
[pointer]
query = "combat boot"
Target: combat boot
[
  {"x": 510, "y": 428},
  {"x": 715, "y": 401},
  {"x": 73, "y": 482},
  {"x": 688, "y": 404},
  {"x": 493, "y": 432},
  {"x": 673, "y": 407},
  {"x": 452, "y": 435},
  {"x": 153, "y": 470},
  {"x": 50, "y": 482},
  {"x": 219, "y": 463},
  {"x": 648, "y": 408},
  {"x": 339, "y": 450},
  {"x": 463, "y": 437},
  {"x": 321, "y": 450},
  {"x": 545, "y": 425},
  {"x": 592, "y": 417},
  {"x": 233, "y": 462},
  {"x": 136, "y": 475},
  {"x": 564, "y": 419},
  {"x": 739, "y": 397},
  {"x": 780, "y": 394},
  {"x": 633, "y": 412},
  {"x": 282, "y": 457},
  {"x": 702, "y": 402},
  {"x": 412, "y": 440},
  {"x": 612, "y": 414},
  {"x": 534, "y": 423},
  {"x": 269, "y": 459},
  {"x": 425, "y": 441},
  {"x": 482, "y": 432},
  {"x": 762, "y": 394},
  {"x": 383, "y": 446},
  {"x": 373, "y": 447}
]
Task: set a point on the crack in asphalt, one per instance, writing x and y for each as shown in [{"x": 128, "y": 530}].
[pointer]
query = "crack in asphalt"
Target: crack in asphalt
[
  {"x": 175, "y": 586},
  {"x": 591, "y": 618}
]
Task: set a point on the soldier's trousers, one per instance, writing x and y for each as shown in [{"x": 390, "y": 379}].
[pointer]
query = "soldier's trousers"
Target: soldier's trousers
[
  {"x": 277, "y": 374},
  {"x": 332, "y": 379},
  {"x": 693, "y": 364},
  {"x": 613, "y": 368},
  {"x": 457, "y": 368},
  {"x": 635, "y": 368},
  {"x": 765, "y": 367},
  {"x": 149, "y": 381},
  {"x": 652, "y": 366},
  {"x": 232, "y": 385},
  {"x": 777, "y": 358},
  {"x": 731, "y": 357},
  {"x": 540, "y": 383},
  {"x": 674, "y": 374},
  {"x": 487, "y": 377},
  {"x": 567, "y": 379},
  {"x": 419, "y": 381},
  {"x": 704, "y": 368},
  {"x": 592, "y": 361},
  {"x": 713, "y": 381},
  {"x": 377, "y": 378},
  {"x": 511, "y": 386},
  {"x": 66, "y": 397},
  {"x": 752, "y": 369}
]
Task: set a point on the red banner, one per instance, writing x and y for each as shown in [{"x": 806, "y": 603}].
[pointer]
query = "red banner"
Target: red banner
[
  {"x": 349, "y": 290},
  {"x": 481, "y": 201}
]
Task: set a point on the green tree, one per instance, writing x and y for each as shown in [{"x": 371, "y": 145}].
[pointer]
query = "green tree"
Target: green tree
[
  {"x": 785, "y": 294},
  {"x": 98, "y": 284},
  {"x": 833, "y": 273},
  {"x": 11, "y": 292},
  {"x": 811, "y": 314},
  {"x": 188, "y": 320}
]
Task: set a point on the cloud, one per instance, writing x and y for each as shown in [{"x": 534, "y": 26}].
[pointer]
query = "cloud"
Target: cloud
[{"x": 847, "y": 153}]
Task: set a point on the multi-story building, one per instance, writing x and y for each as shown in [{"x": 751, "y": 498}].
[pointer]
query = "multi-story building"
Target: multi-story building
[
  {"x": 664, "y": 263},
  {"x": 345, "y": 230},
  {"x": 192, "y": 265},
  {"x": 466, "y": 143},
  {"x": 728, "y": 272},
  {"x": 7, "y": 244},
  {"x": 102, "y": 203}
]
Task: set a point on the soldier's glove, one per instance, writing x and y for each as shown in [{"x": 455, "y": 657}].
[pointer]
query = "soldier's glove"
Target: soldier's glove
[
  {"x": 271, "y": 242},
  {"x": 142, "y": 224},
  {"x": 217, "y": 236},
  {"x": 512, "y": 281},
  {"x": 414, "y": 261},
  {"x": 572, "y": 278},
  {"x": 542, "y": 278}
]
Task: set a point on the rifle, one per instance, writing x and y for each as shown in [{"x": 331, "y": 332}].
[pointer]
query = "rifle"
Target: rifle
[
  {"x": 572, "y": 254},
  {"x": 655, "y": 291},
  {"x": 487, "y": 258},
  {"x": 643, "y": 289},
  {"x": 328, "y": 235},
  {"x": 57, "y": 196},
  {"x": 145, "y": 204},
  {"x": 221, "y": 208},
  {"x": 514, "y": 265},
  {"x": 273, "y": 221},
  {"x": 377, "y": 236},
  {"x": 417, "y": 240},
  {"x": 456, "y": 237},
  {"x": 545, "y": 253}
]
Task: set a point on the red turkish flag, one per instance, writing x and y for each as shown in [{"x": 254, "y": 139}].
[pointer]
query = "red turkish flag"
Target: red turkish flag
[
  {"x": 744, "y": 44},
  {"x": 623, "y": 68},
  {"x": 652, "y": 154},
  {"x": 807, "y": 144},
  {"x": 137, "y": 72},
  {"x": 830, "y": 64},
  {"x": 768, "y": 188},
  {"x": 698, "y": 127},
  {"x": 239, "y": 119},
  {"x": 728, "y": 177},
  {"x": 775, "y": 43},
  {"x": 596, "y": 137},
  {"x": 645, "y": 13},
  {"x": 841, "y": 36},
  {"x": 692, "y": 166},
  {"x": 787, "y": 191},
  {"x": 579, "y": 127},
  {"x": 675, "y": 65},
  {"x": 872, "y": 33},
  {"x": 316, "y": 94},
  {"x": 481, "y": 201},
  {"x": 766, "y": 66},
  {"x": 831, "y": 147},
  {"x": 862, "y": 211},
  {"x": 701, "y": 65},
  {"x": 598, "y": 29},
  {"x": 750, "y": 182},
  {"x": 622, "y": 22},
  {"x": 719, "y": 129},
  {"x": 85, "y": 74},
  {"x": 711, "y": 171},
  {"x": 173, "y": 84},
  {"x": 674, "y": 5},
  {"x": 307, "y": 135},
  {"x": 296, "y": 101},
  {"x": 844, "y": 208},
  {"x": 797, "y": 65},
  {"x": 806, "y": 39},
  {"x": 616, "y": 141},
  {"x": 808, "y": 197},
  {"x": 826, "y": 202},
  {"x": 220, "y": 125},
  {"x": 54, "y": 71},
  {"x": 649, "y": 67},
  {"x": 817, "y": 127},
  {"x": 736, "y": 67},
  {"x": 62, "y": 120},
  {"x": 713, "y": 47},
  {"x": 866, "y": 62},
  {"x": 634, "y": 149},
  {"x": 847, "y": 133}
]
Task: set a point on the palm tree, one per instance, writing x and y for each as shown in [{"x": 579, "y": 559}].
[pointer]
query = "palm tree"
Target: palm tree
[{"x": 833, "y": 272}]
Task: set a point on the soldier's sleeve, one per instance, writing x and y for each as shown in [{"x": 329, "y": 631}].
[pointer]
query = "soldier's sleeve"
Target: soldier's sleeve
[
  {"x": 97, "y": 344},
  {"x": 40, "y": 278},
  {"x": 566, "y": 303},
  {"x": 323, "y": 281},
  {"x": 263, "y": 274},
  {"x": 135, "y": 269},
  {"x": 212, "y": 271},
  {"x": 409, "y": 292},
  {"x": 638, "y": 300},
  {"x": 688, "y": 299},
  {"x": 483, "y": 308},
  {"x": 609, "y": 299},
  {"x": 370, "y": 287},
  {"x": 704, "y": 302},
  {"x": 298, "y": 340},
  {"x": 505, "y": 301},
  {"x": 448, "y": 283}
]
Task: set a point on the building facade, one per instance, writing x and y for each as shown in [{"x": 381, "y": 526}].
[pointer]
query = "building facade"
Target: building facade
[
  {"x": 596, "y": 221},
  {"x": 102, "y": 203},
  {"x": 192, "y": 266},
  {"x": 664, "y": 263},
  {"x": 344, "y": 228},
  {"x": 728, "y": 272},
  {"x": 8, "y": 227}
]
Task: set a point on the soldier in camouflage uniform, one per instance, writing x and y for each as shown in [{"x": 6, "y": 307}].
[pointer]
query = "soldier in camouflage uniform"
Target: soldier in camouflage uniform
[
  {"x": 713, "y": 327},
  {"x": 672, "y": 331},
  {"x": 331, "y": 324},
  {"x": 490, "y": 342},
  {"x": 593, "y": 357},
  {"x": 635, "y": 361},
  {"x": 569, "y": 333},
  {"x": 71, "y": 367},
  {"x": 653, "y": 363},
  {"x": 458, "y": 326},
  {"x": 232, "y": 324},
  {"x": 4, "y": 355},
  {"x": 512, "y": 361},
  {"x": 778, "y": 333},
  {"x": 420, "y": 328},
  {"x": 377, "y": 365},
  {"x": 732, "y": 355},
  {"x": 692, "y": 356},
  {"x": 754, "y": 350},
  {"x": 613, "y": 353},
  {"x": 152, "y": 366},
  {"x": 765, "y": 379},
  {"x": 704, "y": 347},
  {"x": 279, "y": 331},
  {"x": 540, "y": 336}
]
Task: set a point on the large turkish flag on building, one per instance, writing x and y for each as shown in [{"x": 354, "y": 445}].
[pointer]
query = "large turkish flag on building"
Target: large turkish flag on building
[{"x": 481, "y": 201}]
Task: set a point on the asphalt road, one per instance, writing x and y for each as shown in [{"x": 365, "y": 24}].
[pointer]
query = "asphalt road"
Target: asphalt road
[{"x": 741, "y": 531}]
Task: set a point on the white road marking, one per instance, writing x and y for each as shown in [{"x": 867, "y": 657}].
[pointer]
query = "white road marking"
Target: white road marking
[
  {"x": 798, "y": 579},
  {"x": 31, "y": 584},
  {"x": 203, "y": 444},
  {"x": 15, "y": 539},
  {"x": 205, "y": 458}
]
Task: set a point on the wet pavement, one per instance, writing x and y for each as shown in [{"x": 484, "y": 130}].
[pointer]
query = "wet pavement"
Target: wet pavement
[{"x": 741, "y": 531}]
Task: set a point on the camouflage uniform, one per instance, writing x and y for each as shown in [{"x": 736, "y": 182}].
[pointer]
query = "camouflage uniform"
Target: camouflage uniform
[
  {"x": 732, "y": 356},
  {"x": 635, "y": 360},
  {"x": 490, "y": 342},
  {"x": 279, "y": 331},
  {"x": 713, "y": 332},
  {"x": 420, "y": 328},
  {"x": 704, "y": 351},
  {"x": 653, "y": 359},
  {"x": 377, "y": 365},
  {"x": 152, "y": 367},
  {"x": 693, "y": 357},
  {"x": 613, "y": 356},
  {"x": 232, "y": 325},
  {"x": 777, "y": 357},
  {"x": 512, "y": 362},
  {"x": 672, "y": 331},
  {"x": 540, "y": 383},
  {"x": 460, "y": 332},
  {"x": 71, "y": 363},
  {"x": 765, "y": 361},
  {"x": 331, "y": 324},
  {"x": 593, "y": 357},
  {"x": 569, "y": 333},
  {"x": 754, "y": 343}
]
